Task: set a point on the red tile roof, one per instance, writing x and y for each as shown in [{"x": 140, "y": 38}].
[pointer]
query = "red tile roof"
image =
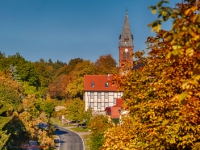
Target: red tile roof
[
  {"x": 99, "y": 83},
  {"x": 119, "y": 102},
  {"x": 115, "y": 112},
  {"x": 115, "y": 109}
]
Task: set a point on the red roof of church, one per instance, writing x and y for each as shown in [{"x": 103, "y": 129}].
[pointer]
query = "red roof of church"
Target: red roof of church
[{"x": 98, "y": 83}]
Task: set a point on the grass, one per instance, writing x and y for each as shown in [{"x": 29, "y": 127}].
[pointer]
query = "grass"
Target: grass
[
  {"x": 55, "y": 121},
  {"x": 86, "y": 139},
  {"x": 58, "y": 122},
  {"x": 80, "y": 129}
]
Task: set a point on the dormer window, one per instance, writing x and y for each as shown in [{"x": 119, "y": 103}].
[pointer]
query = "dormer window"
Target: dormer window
[
  {"x": 92, "y": 84},
  {"x": 106, "y": 84}
]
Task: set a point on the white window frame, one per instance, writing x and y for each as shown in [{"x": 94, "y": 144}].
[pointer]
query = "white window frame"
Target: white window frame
[
  {"x": 106, "y": 104},
  {"x": 99, "y": 105},
  {"x": 92, "y": 104},
  {"x": 98, "y": 95},
  {"x": 106, "y": 95},
  {"x": 91, "y": 95},
  {"x": 114, "y": 101}
]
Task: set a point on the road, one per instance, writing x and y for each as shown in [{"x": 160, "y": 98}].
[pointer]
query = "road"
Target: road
[{"x": 69, "y": 140}]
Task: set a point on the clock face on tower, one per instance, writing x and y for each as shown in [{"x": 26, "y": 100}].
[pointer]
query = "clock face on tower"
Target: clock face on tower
[{"x": 126, "y": 50}]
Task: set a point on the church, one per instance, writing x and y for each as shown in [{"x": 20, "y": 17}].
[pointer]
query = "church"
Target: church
[{"x": 98, "y": 91}]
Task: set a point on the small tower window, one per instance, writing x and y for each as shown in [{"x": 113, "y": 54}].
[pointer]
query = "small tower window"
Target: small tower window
[
  {"x": 126, "y": 55},
  {"x": 126, "y": 40}
]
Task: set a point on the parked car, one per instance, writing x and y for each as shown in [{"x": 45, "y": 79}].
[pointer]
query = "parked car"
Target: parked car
[
  {"x": 43, "y": 126},
  {"x": 56, "y": 127}
]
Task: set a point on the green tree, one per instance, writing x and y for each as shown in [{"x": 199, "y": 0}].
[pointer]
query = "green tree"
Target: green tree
[
  {"x": 10, "y": 98},
  {"x": 105, "y": 65},
  {"x": 75, "y": 109},
  {"x": 72, "y": 64},
  {"x": 48, "y": 106},
  {"x": 44, "y": 72},
  {"x": 75, "y": 85},
  {"x": 27, "y": 73},
  {"x": 98, "y": 125}
]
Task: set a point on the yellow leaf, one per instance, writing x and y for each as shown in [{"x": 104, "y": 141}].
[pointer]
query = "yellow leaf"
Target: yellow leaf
[
  {"x": 194, "y": 8},
  {"x": 198, "y": 18},
  {"x": 164, "y": 13},
  {"x": 186, "y": 12},
  {"x": 190, "y": 52},
  {"x": 196, "y": 37},
  {"x": 153, "y": 11},
  {"x": 156, "y": 28},
  {"x": 165, "y": 122},
  {"x": 182, "y": 97},
  {"x": 175, "y": 47}
]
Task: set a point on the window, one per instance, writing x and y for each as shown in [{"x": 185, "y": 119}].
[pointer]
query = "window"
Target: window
[
  {"x": 99, "y": 95},
  {"x": 106, "y": 84},
  {"x": 126, "y": 56},
  {"x": 92, "y": 84},
  {"x": 106, "y": 95},
  {"x": 98, "y": 105},
  {"x": 106, "y": 104},
  {"x": 114, "y": 100},
  {"x": 91, "y": 94},
  {"x": 126, "y": 39},
  {"x": 91, "y": 104}
]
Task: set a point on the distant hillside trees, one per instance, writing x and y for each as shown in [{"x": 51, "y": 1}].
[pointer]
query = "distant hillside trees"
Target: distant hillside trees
[
  {"x": 72, "y": 64},
  {"x": 57, "y": 89},
  {"x": 58, "y": 79}
]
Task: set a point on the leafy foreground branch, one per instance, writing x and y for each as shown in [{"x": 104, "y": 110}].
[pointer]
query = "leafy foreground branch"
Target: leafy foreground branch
[{"x": 163, "y": 98}]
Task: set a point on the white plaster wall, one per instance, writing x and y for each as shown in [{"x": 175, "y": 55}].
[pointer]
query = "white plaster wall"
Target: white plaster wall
[{"x": 95, "y": 100}]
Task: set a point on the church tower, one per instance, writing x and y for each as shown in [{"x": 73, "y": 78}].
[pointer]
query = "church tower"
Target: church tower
[{"x": 126, "y": 44}]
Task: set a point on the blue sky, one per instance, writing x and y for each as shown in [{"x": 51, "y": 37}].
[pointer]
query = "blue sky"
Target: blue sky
[{"x": 68, "y": 29}]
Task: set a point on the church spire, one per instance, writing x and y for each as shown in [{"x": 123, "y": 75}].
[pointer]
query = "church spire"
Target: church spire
[
  {"x": 126, "y": 38},
  {"x": 126, "y": 44}
]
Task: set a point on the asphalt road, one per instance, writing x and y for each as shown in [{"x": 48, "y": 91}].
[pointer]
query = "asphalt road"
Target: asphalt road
[{"x": 69, "y": 140}]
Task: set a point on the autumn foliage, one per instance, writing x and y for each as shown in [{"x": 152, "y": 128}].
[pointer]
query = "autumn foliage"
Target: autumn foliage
[
  {"x": 98, "y": 125},
  {"x": 163, "y": 97}
]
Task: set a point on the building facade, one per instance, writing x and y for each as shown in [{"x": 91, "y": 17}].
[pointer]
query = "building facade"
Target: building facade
[{"x": 99, "y": 93}]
